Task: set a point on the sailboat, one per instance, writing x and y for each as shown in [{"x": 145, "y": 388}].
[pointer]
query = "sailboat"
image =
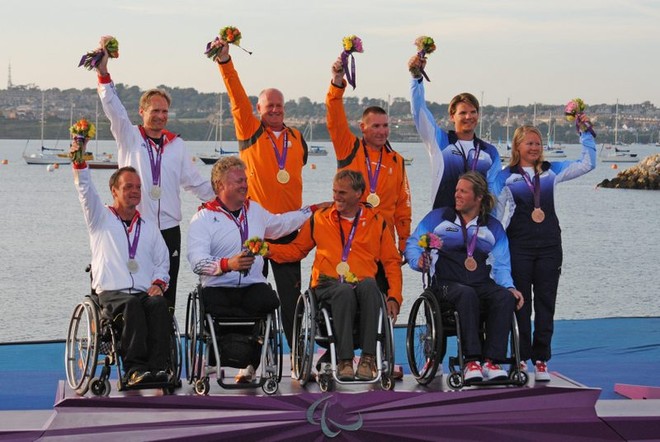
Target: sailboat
[
  {"x": 216, "y": 129},
  {"x": 313, "y": 150},
  {"x": 551, "y": 151},
  {"x": 614, "y": 154},
  {"x": 46, "y": 155},
  {"x": 105, "y": 161}
]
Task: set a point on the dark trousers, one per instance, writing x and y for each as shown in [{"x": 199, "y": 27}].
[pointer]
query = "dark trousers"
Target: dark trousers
[
  {"x": 537, "y": 270},
  {"x": 499, "y": 304},
  {"x": 256, "y": 300},
  {"x": 145, "y": 337},
  {"x": 344, "y": 301},
  {"x": 288, "y": 282},
  {"x": 172, "y": 239}
]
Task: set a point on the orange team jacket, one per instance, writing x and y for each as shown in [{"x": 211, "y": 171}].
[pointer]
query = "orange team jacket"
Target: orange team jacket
[
  {"x": 256, "y": 150},
  {"x": 392, "y": 186},
  {"x": 373, "y": 242}
]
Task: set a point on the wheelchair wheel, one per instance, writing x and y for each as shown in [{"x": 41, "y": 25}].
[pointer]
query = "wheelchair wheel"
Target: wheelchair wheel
[
  {"x": 423, "y": 340},
  {"x": 193, "y": 334},
  {"x": 82, "y": 346},
  {"x": 304, "y": 332},
  {"x": 276, "y": 346},
  {"x": 455, "y": 381},
  {"x": 202, "y": 386},
  {"x": 388, "y": 349},
  {"x": 175, "y": 358},
  {"x": 100, "y": 387}
]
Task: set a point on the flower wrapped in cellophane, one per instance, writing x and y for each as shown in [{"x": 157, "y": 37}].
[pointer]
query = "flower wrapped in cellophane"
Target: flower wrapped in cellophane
[
  {"x": 82, "y": 130},
  {"x": 574, "y": 111},
  {"x": 350, "y": 44},
  {"x": 231, "y": 35},
  {"x": 92, "y": 58},
  {"x": 425, "y": 46},
  {"x": 430, "y": 241}
]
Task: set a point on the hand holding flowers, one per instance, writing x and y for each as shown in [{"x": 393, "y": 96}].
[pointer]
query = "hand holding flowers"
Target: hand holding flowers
[
  {"x": 350, "y": 44},
  {"x": 574, "y": 111},
  {"x": 425, "y": 46},
  {"x": 92, "y": 58},
  {"x": 254, "y": 246},
  {"x": 82, "y": 131},
  {"x": 228, "y": 34}
]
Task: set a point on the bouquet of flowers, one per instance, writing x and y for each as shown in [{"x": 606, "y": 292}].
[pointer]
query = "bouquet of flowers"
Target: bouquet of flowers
[
  {"x": 92, "y": 58},
  {"x": 430, "y": 241},
  {"x": 81, "y": 131},
  {"x": 254, "y": 246},
  {"x": 425, "y": 46},
  {"x": 574, "y": 111},
  {"x": 231, "y": 35},
  {"x": 350, "y": 43}
]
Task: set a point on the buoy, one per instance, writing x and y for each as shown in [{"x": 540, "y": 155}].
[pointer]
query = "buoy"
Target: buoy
[
  {"x": 5, "y": 162},
  {"x": 614, "y": 166},
  {"x": 56, "y": 166},
  {"x": 313, "y": 166},
  {"x": 50, "y": 168},
  {"x": 194, "y": 159}
]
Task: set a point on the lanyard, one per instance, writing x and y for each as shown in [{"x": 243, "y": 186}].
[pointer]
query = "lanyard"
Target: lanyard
[
  {"x": 472, "y": 243},
  {"x": 346, "y": 243},
  {"x": 154, "y": 162},
  {"x": 135, "y": 222},
  {"x": 373, "y": 176},
  {"x": 475, "y": 159},
  {"x": 281, "y": 159},
  {"x": 534, "y": 187},
  {"x": 241, "y": 221}
]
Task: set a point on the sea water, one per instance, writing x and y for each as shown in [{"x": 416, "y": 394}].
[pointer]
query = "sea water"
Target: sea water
[{"x": 611, "y": 239}]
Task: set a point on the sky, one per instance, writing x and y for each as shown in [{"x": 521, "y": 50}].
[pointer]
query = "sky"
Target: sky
[{"x": 519, "y": 50}]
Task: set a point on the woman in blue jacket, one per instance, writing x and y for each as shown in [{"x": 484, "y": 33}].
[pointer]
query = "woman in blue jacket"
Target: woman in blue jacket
[{"x": 525, "y": 191}]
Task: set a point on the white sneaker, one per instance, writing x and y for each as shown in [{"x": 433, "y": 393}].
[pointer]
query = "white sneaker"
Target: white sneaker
[
  {"x": 492, "y": 371},
  {"x": 542, "y": 374},
  {"x": 245, "y": 375},
  {"x": 472, "y": 372}
]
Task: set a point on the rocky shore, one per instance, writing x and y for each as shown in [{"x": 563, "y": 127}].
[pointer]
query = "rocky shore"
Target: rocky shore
[{"x": 644, "y": 175}]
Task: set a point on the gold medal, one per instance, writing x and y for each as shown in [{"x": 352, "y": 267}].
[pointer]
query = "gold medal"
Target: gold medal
[
  {"x": 373, "y": 199},
  {"x": 470, "y": 264},
  {"x": 154, "y": 193},
  {"x": 342, "y": 268},
  {"x": 283, "y": 176},
  {"x": 538, "y": 215},
  {"x": 132, "y": 266}
]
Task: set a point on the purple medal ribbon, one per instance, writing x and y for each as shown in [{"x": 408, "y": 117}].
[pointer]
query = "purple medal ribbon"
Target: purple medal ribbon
[
  {"x": 373, "y": 178},
  {"x": 472, "y": 243},
  {"x": 534, "y": 187},
  {"x": 350, "y": 73},
  {"x": 475, "y": 159},
  {"x": 155, "y": 163},
  {"x": 136, "y": 221},
  {"x": 346, "y": 243},
  {"x": 422, "y": 55},
  {"x": 281, "y": 159},
  {"x": 241, "y": 222}
]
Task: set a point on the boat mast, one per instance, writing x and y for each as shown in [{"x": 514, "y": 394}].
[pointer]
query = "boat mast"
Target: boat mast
[
  {"x": 616, "y": 123},
  {"x": 508, "y": 142},
  {"x": 218, "y": 127},
  {"x": 43, "y": 111}
]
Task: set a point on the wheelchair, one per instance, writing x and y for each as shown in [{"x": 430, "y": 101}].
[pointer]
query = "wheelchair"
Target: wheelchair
[
  {"x": 93, "y": 339},
  {"x": 429, "y": 325},
  {"x": 213, "y": 342},
  {"x": 312, "y": 325}
]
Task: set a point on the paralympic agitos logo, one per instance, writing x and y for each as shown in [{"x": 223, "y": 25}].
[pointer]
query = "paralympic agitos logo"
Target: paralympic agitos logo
[{"x": 329, "y": 416}]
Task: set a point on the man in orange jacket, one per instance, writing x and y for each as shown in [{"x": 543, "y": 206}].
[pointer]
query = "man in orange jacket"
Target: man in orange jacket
[
  {"x": 274, "y": 155},
  {"x": 351, "y": 240}
]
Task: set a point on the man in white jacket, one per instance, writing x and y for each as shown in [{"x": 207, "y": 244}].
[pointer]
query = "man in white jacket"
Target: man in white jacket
[
  {"x": 129, "y": 272},
  {"x": 232, "y": 279},
  {"x": 160, "y": 158}
]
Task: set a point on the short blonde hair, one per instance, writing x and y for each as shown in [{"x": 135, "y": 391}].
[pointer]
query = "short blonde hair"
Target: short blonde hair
[
  {"x": 145, "y": 99},
  {"x": 222, "y": 167}
]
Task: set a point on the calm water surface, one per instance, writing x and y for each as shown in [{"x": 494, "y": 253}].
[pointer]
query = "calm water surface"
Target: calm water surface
[{"x": 611, "y": 240}]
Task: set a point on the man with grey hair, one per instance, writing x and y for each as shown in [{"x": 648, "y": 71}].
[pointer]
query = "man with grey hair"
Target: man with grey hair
[
  {"x": 232, "y": 279},
  {"x": 160, "y": 158},
  {"x": 274, "y": 155}
]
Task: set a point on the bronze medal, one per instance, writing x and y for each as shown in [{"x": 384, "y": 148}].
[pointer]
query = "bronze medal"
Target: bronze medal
[
  {"x": 283, "y": 176},
  {"x": 373, "y": 199},
  {"x": 342, "y": 268},
  {"x": 154, "y": 193},
  {"x": 538, "y": 215},
  {"x": 470, "y": 264}
]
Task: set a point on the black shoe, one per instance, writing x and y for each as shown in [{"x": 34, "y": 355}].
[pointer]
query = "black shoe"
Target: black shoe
[
  {"x": 324, "y": 359},
  {"x": 162, "y": 376},
  {"x": 139, "y": 377}
]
